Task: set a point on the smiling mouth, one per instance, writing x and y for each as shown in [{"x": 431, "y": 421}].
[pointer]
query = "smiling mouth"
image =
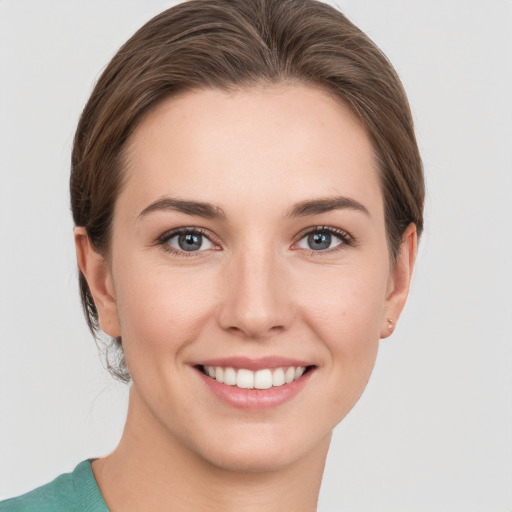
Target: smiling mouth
[{"x": 261, "y": 379}]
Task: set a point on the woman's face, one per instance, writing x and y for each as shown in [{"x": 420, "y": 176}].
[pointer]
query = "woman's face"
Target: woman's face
[{"x": 249, "y": 239}]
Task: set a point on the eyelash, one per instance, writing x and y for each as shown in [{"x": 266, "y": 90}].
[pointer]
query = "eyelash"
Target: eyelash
[
  {"x": 347, "y": 240},
  {"x": 163, "y": 240}
]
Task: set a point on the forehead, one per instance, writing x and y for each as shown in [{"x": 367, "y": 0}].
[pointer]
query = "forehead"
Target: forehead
[{"x": 262, "y": 144}]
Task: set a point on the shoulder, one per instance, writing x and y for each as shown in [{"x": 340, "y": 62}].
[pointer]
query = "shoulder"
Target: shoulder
[{"x": 71, "y": 492}]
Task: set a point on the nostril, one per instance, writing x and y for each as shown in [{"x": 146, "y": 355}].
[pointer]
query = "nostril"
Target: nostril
[{"x": 255, "y": 330}]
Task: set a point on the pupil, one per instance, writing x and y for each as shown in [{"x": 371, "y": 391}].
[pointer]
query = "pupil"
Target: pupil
[
  {"x": 319, "y": 241},
  {"x": 190, "y": 242}
]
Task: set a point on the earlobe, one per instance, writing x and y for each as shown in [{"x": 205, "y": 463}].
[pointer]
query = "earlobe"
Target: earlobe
[
  {"x": 98, "y": 275},
  {"x": 400, "y": 280}
]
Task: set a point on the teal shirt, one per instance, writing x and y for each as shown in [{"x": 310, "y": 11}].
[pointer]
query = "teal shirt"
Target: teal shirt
[{"x": 71, "y": 492}]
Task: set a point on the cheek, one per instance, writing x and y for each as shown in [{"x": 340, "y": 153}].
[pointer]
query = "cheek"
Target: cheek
[
  {"x": 345, "y": 299},
  {"x": 161, "y": 310},
  {"x": 344, "y": 310}
]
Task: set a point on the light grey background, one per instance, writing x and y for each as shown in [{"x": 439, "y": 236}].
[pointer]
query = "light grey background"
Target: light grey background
[{"x": 433, "y": 431}]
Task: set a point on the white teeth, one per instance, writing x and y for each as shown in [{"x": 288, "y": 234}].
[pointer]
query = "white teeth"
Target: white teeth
[
  {"x": 261, "y": 379},
  {"x": 245, "y": 379},
  {"x": 289, "y": 375},
  {"x": 278, "y": 377},
  {"x": 299, "y": 371},
  {"x": 230, "y": 377}
]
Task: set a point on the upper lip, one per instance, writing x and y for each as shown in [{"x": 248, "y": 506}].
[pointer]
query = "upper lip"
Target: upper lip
[{"x": 254, "y": 364}]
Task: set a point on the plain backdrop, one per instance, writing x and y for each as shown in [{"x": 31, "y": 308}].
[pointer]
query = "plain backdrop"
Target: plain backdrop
[{"x": 433, "y": 431}]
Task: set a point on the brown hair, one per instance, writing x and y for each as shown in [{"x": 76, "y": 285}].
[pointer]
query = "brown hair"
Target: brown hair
[{"x": 232, "y": 44}]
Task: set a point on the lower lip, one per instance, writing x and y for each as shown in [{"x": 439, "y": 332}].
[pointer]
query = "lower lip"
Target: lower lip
[{"x": 255, "y": 399}]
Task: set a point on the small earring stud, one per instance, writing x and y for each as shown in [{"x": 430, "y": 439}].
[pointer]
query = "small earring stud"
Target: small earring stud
[{"x": 391, "y": 325}]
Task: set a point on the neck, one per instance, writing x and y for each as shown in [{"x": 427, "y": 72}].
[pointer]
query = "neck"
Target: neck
[{"x": 151, "y": 470}]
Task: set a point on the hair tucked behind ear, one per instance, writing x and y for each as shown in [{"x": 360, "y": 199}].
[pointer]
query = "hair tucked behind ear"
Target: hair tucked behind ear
[{"x": 232, "y": 44}]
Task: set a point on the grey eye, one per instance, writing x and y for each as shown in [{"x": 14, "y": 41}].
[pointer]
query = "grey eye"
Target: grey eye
[
  {"x": 190, "y": 242},
  {"x": 319, "y": 241}
]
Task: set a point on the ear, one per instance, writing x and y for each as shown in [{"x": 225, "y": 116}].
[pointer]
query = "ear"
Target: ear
[
  {"x": 98, "y": 275},
  {"x": 400, "y": 280}
]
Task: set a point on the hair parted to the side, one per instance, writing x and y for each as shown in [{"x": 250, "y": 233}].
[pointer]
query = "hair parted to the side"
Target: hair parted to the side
[{"x": 233, "y": 44}]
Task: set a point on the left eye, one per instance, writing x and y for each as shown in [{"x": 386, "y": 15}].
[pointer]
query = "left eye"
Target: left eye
[
  {"x": 189, "y": 242},
  {"x": 320, "y": 240}
]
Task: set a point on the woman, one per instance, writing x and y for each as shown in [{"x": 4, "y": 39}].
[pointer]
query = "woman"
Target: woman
[{"x": 247, "y": 194}]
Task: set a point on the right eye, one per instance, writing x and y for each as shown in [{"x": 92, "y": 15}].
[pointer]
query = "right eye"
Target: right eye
[{"x": 186, "y": 241}]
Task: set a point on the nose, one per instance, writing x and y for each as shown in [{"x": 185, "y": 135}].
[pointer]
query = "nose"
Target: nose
[{"x": 256, "y": 300}]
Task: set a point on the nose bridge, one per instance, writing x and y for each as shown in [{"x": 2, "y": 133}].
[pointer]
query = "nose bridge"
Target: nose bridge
[{"x": 255, "y": 301}]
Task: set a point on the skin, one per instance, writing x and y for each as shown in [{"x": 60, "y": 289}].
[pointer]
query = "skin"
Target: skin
[{"x": 258, "y": 289}]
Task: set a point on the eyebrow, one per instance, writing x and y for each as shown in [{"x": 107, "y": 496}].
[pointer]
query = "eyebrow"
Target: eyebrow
[
  {"x": 210, "y": 211},
  {"x": 201, "y": 209},
  {"x": 317, "y": 206}
]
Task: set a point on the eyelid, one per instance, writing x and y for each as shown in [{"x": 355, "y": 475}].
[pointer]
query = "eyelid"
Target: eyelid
[
  {"x": 346, "y": 238},
  {"x": 171, "y": 233}
]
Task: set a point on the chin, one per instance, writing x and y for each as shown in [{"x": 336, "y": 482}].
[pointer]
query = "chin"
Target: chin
[{"x": 264, "y": 451}]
